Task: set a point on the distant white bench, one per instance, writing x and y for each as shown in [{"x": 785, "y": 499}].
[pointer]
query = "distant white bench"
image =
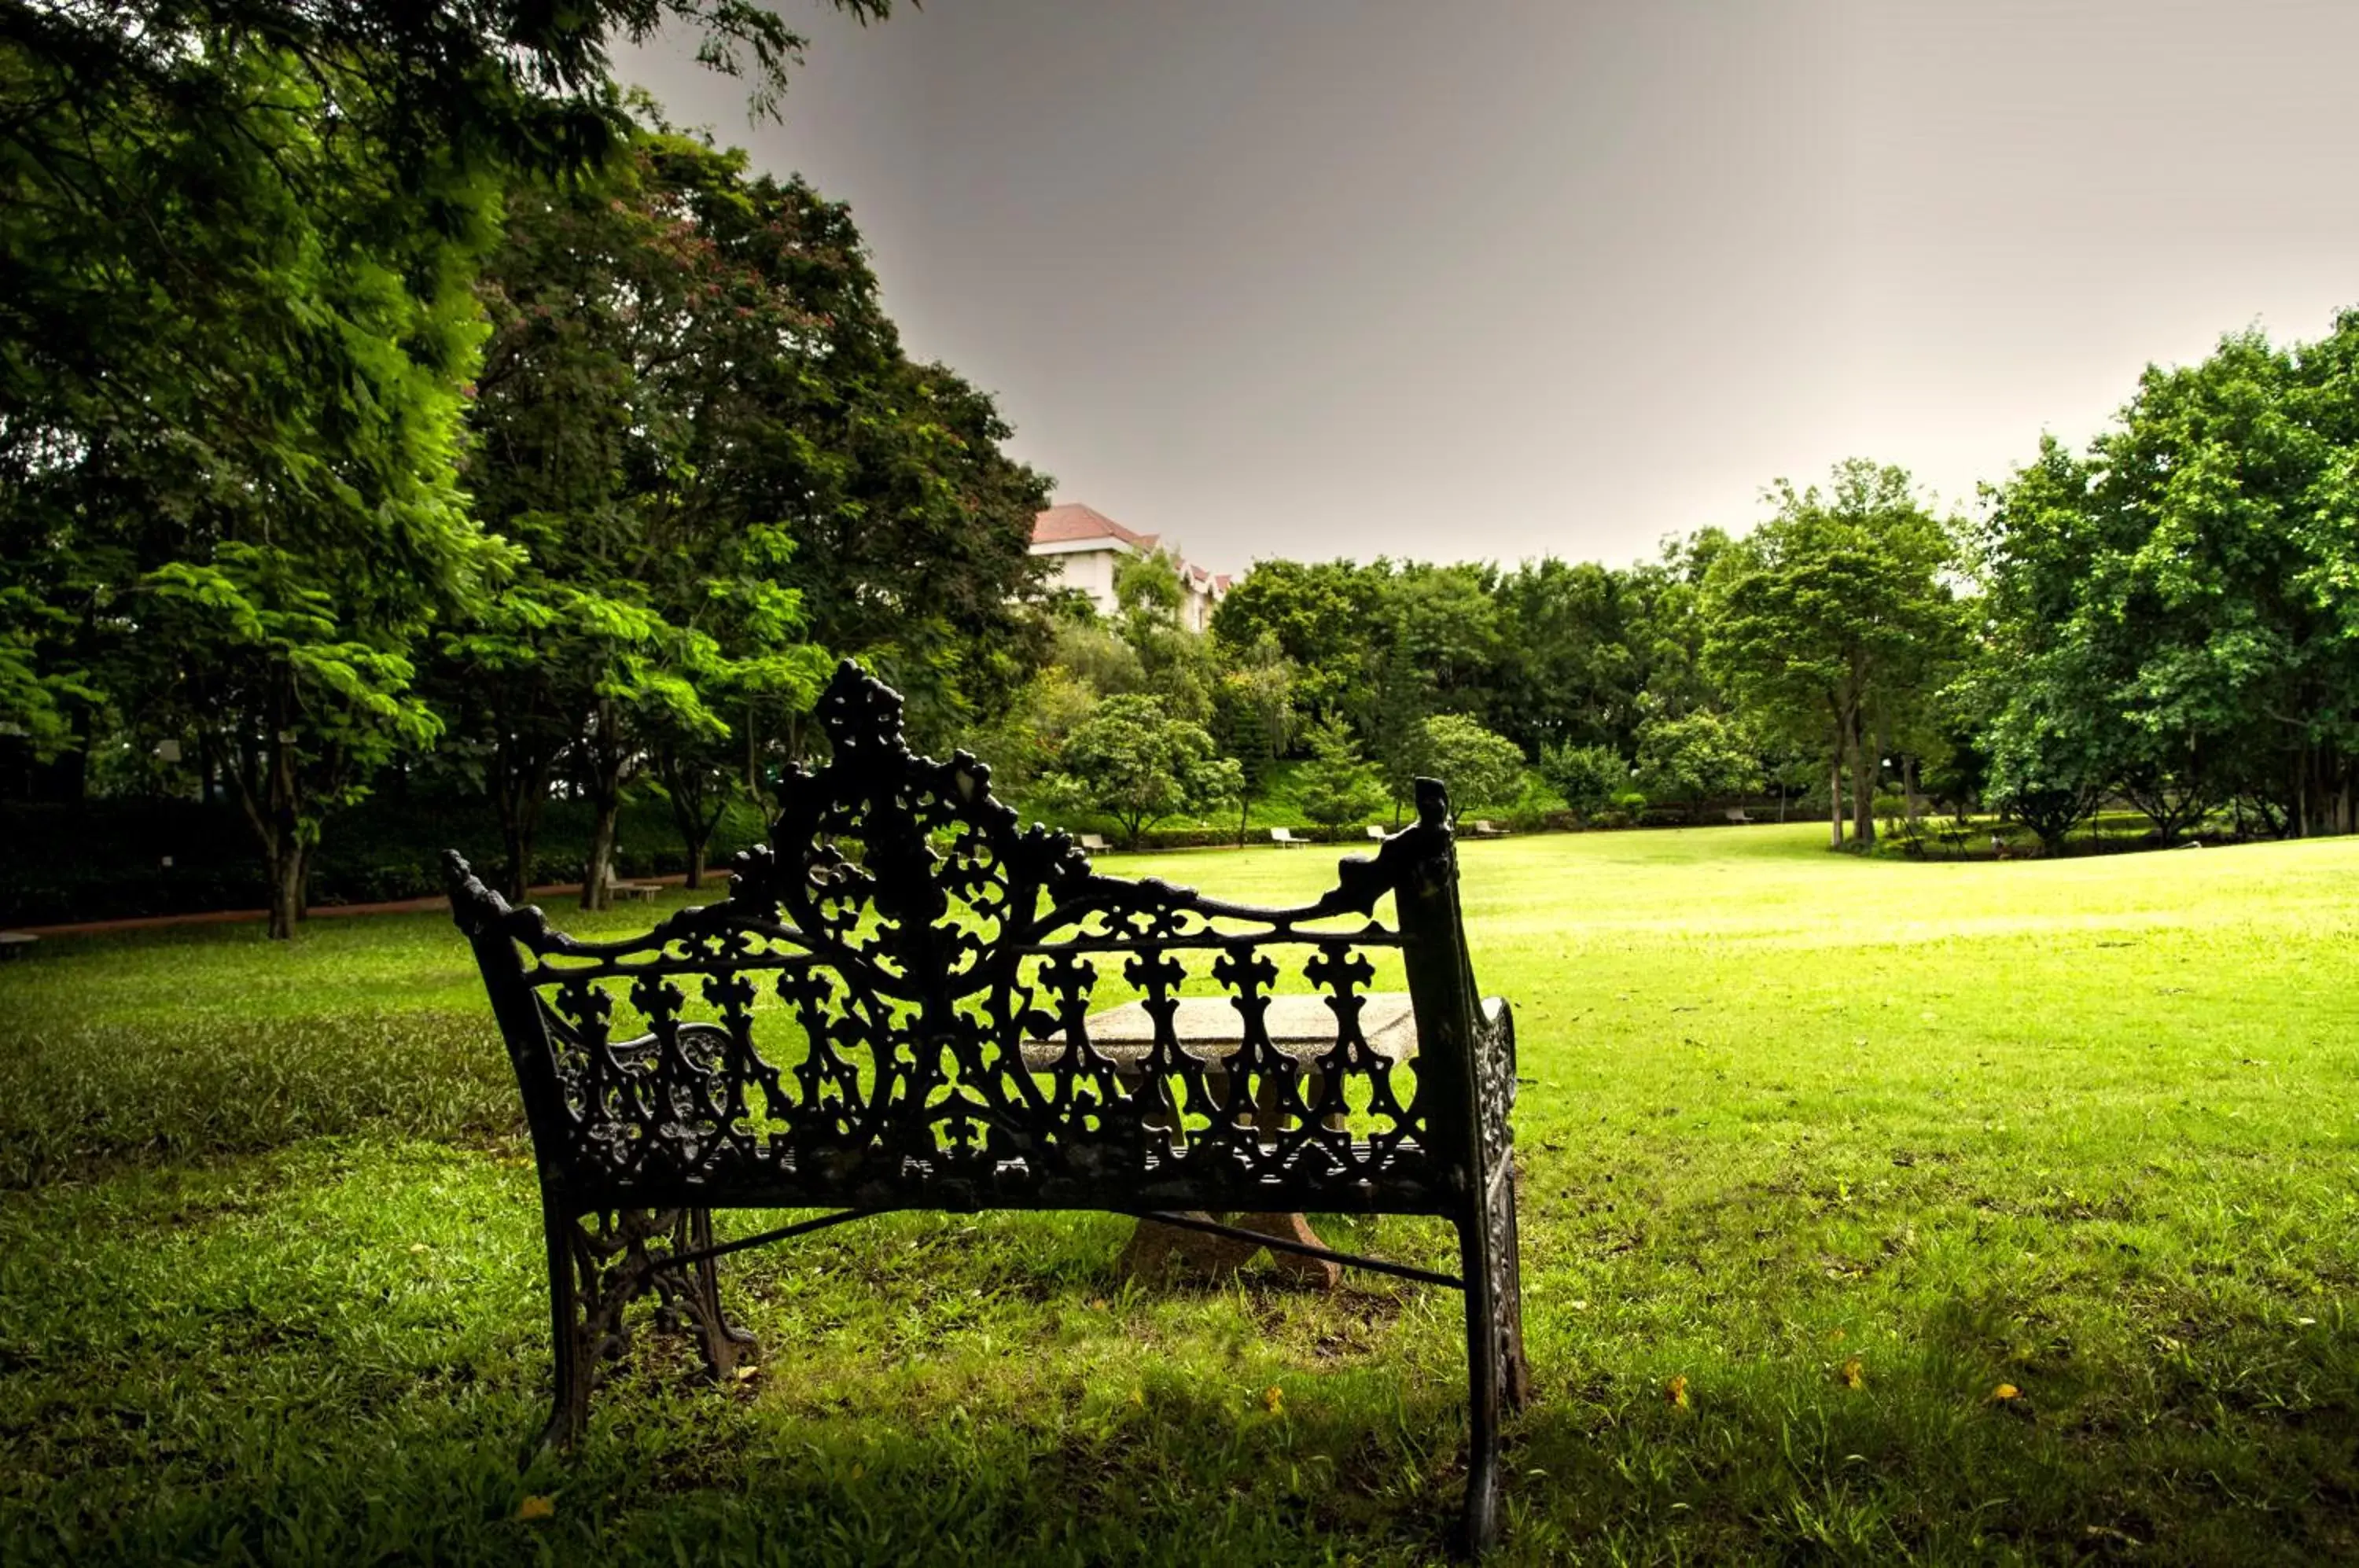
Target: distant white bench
[
  {"x": 618, "y": 890},
  {"x": 1736, "y": 814},
  {"x": 1481, "y": 827},
  {"x": 1285, "y": 839},
  {"x": 1376, "y": 833},
  {"x": 15, "y": 944},
  {"x": 1095, "y": 843}
]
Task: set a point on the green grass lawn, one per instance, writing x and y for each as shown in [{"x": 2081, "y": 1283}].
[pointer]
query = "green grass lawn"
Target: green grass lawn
[{"x": 1845, "y": 1145}]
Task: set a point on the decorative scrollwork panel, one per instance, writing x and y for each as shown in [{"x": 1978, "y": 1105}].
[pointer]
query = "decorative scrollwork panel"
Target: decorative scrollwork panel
[{"x": 908, "y": 994}]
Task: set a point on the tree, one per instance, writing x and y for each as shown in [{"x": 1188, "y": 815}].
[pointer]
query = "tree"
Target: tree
[
  {"x": 1131, "y": 761},
  {"x": 1321, "y": 614},
  {"x": 2047, "y": 770},
  {"x": 2176, "y": 611},
  {"x": 436, "y": 86},
  {"x": 1255, "y": 714},
  {"x": 656, "y": 332},
  {"x": 1588, "y": 777},
  {"x": 1833, "y": 618},
  {"x": 1023, "y": 745},
  {"x": 236, "y": 241},
  {"x": 1695, "y": 759},
  {"x": 913, "y": 550},
  {"x": 1568, "y": 677},
  {"x": 1481, "y": 769},
  {"x": 232, "y": 350},
  {"x": 1336, "y": 786}
]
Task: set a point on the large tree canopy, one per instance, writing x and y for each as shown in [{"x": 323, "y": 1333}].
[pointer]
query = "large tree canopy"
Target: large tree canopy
[
  {"x": 228, "y": 426},
  {"x": 2173, "y": 617},
  {"x": 237, "y": 246}
]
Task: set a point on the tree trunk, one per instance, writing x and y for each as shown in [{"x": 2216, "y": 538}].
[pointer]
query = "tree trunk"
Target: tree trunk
[
  {"x": 686, "y": 793},
  {"x": 607, "y": 755},
  {"x": 516, "y": 846},
  {"x": 1863, "y": 789},
  {"x": 286, "y": 889},
  {"x": 597, "y": 891},
  {"x": 519, "y": 786},
  {"x": 1834, "y": 798},
  {"x": 1909, "y": 787},
  {"x": 270, "y": 790}
]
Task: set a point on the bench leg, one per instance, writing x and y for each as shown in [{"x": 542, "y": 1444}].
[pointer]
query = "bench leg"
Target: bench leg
[
  {"x": 598, "y": 1265},
  {"x": 1498, "y": 1377},
  {"x": 572, "y": 1357},
  {"x": 691, "y": 1299}
]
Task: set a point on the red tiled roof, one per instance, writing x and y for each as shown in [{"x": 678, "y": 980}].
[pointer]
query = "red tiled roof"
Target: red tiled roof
[{"x": 1064, "y": 525}]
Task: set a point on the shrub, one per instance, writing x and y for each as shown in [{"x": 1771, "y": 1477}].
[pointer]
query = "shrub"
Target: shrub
[
  {"x": 1480, "y": 767},
  {"x": 1337, "y": 786},
  {"x": 1588, "y": 777}
]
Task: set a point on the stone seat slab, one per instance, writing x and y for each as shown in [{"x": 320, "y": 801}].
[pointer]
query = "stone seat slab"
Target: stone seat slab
[{"x": 1210, "y": 1028}]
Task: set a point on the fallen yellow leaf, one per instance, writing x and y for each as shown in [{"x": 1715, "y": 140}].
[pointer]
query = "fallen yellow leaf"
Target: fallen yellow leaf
[
  {"x": 747, "y": 1373},
  {"x": 1273, "y": 1398},
  {"x": 537, "y": 1507},
  {"x": 1138, "y": 1396},
  {"x": 1853, "y": 1376},
  {"x": 1677, "y": 1391},
  {"x": 417, "y": 1246},
  {"x": 2005, "y": 1391}
]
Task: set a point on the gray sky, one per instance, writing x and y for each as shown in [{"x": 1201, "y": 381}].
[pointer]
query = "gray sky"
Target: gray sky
[{"x": 1483, "y": 280}]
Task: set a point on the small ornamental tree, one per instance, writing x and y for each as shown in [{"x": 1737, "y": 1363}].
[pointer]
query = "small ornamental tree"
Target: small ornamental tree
[
  {"x": 1695, "y": 759},
  {"x": 1588, "y": 777},
  {"x": 1131, "y": 761},
  {"x": 1253, "y": 710},
  {"x": 1337, "y": 786},
  {"x": 1481, "y": 767}
]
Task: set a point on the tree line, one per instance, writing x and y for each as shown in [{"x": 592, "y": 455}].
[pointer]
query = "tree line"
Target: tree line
[
  {"x": 2165, "y": 620},
  {"x": 386, "y": 392}
]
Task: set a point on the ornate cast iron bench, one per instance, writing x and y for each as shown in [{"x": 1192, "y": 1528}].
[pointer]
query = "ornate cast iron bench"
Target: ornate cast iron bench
[{"x": 891, "y": 1011}]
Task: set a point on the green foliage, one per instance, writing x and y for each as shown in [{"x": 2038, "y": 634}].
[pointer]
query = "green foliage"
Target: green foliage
[
  {"x": 1130, "y": 760},
  {"x": 1480, "y": 767},
  {"x": 1254, "y": 718},
  {"x": 230, "y": 365},
  {"x": 1833, "y": 619},
  {"x": 1588, "y": 777},
  {"x": 1337, "y": 786},
  {"x": 1024, "y": 744},
  {"x": 242, "y": 238},
  {"x": 1695, "y": 759},
  {"x": 2172, "y": 617},
  {"x": 1318, "y": 615}
]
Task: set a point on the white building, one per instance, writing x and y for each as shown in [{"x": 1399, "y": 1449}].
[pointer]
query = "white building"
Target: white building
[{"x": 1089, "y": 548}]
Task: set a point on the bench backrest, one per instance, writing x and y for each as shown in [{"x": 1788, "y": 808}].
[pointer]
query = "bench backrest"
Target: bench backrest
[{"x": 850, "y": 1025}]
